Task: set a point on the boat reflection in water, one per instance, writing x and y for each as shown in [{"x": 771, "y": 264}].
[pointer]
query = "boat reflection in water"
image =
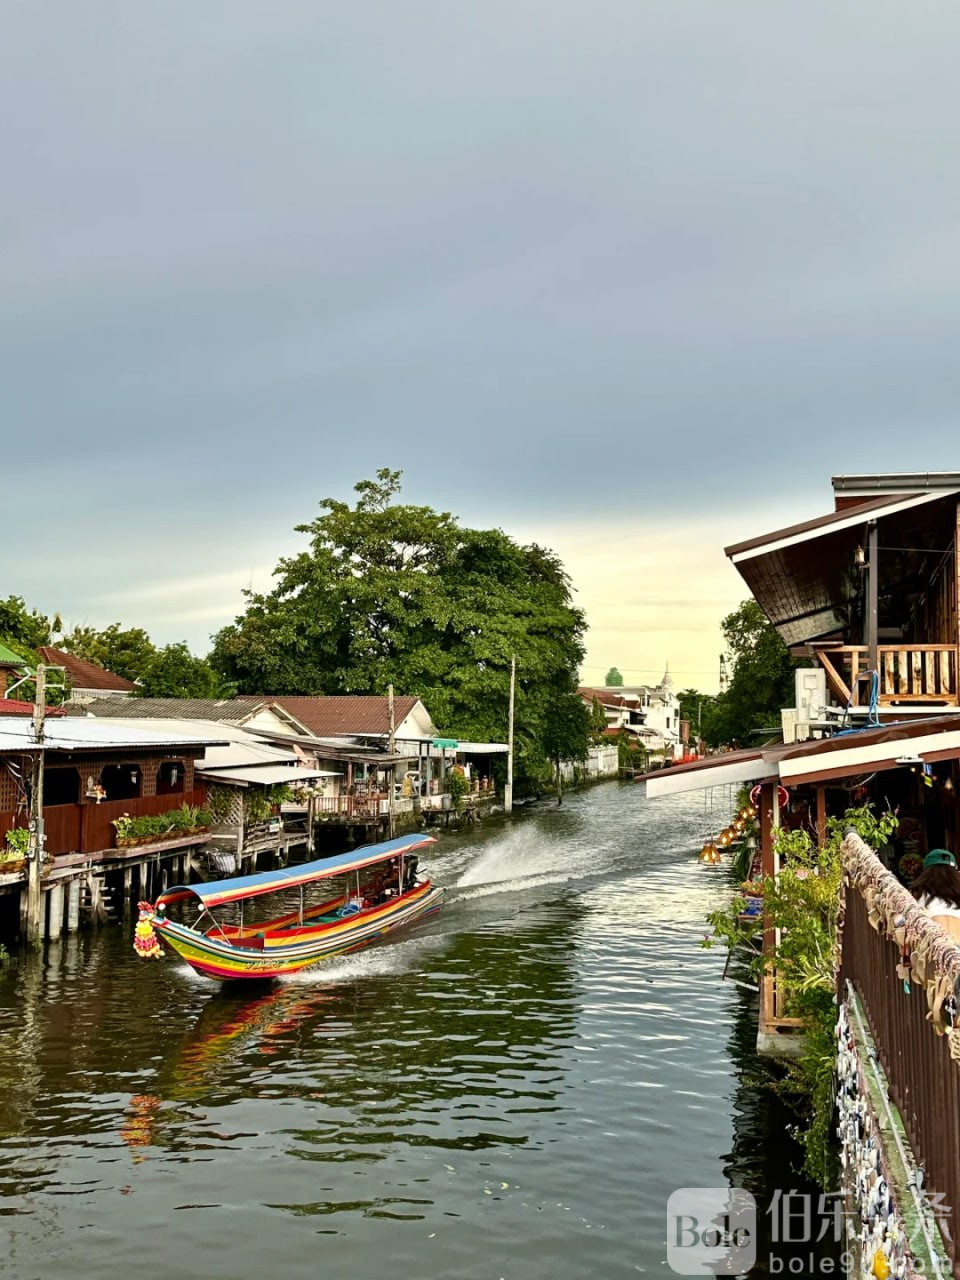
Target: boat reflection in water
[{"x": 383, "y": 1032}]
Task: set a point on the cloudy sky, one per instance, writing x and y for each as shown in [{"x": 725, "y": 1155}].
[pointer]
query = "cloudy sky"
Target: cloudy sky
[{"x": 632, "y": 279}]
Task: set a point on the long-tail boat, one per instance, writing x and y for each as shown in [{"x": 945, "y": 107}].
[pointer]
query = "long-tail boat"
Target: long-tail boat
[{"x": 363, "y": 911}]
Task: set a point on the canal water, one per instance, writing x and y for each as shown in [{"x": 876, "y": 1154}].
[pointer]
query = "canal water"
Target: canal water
[{"x": 513, "y": 1090}]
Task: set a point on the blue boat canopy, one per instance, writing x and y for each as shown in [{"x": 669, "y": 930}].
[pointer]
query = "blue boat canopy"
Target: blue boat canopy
[{"x": 238, "y": 888}]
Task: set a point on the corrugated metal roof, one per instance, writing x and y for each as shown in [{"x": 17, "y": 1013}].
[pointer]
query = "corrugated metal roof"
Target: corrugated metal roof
[
  {"x": 74, "y": 733},
  {"x": 217, "y": 709}
]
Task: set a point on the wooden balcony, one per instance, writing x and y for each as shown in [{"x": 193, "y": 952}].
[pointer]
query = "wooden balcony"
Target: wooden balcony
[{"x": 910, "y": 674}]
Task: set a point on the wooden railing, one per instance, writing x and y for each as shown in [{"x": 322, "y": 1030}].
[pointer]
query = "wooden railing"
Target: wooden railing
[
  {"x": 343, "y": 806},
  {"x": 922, "y": 1074},
  {"x": 88, "y": 828},
  {"x": 908, "y": 673}
]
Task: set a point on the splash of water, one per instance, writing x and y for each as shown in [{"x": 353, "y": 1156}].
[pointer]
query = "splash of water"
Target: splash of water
[{"x": 521, "y": 856}]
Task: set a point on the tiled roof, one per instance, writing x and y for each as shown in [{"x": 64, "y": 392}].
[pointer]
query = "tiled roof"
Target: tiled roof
[
  {"x": 83, "y": 674},
  {"x": 224, "y": 709},
  {"x": 335, "y": 715}
]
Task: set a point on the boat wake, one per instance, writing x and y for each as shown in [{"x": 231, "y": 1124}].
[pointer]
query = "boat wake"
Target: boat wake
[
  {"x": 522, "y": 859},
  {"x": 383, "y": 961}
]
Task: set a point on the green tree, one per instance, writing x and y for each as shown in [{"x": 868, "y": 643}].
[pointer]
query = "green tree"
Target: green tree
[
  {"x": 613, "y": 679},
  {"x": 127, "y": 652},
  {"x": 387, "y": 592},
  {"x": 175, "y": 672},
  {"x": 762, "y": 680},
  {"x": 598, "y": 721},
  {"x": 24, "y": 629},
  {"x": 699, "y": 710}
]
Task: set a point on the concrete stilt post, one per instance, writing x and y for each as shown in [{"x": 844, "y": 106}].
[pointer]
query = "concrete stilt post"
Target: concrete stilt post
[
  {"x": 55, "y": 912},
  {"x": 73, "y": 905}
]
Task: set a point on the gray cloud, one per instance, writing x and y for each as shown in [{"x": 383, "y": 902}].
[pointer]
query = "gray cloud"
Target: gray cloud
[{"x": 547, "y": 257}]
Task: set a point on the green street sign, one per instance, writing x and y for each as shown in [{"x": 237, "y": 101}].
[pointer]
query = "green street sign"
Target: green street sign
[{"x": 446, "y": 742}]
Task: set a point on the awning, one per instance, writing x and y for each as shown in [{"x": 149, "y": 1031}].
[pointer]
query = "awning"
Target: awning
[
  {"x": 845, "y": 755},
  {"x": 239, "y": 888},
  {"x": 804, "y": 577},
  {"x": 731, "y": 769},
  {"x": 266, "y": 775},
  {"x": 848, "y": 757}
]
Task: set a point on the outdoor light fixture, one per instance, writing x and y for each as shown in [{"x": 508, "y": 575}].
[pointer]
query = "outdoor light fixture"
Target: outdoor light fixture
[
  {"x": 910, "y": 760},
  {"x": 860, "y": 558}
]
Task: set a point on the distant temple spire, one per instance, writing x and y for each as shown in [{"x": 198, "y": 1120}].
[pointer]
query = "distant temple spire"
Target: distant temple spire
[{"x": 667, "y": 681}]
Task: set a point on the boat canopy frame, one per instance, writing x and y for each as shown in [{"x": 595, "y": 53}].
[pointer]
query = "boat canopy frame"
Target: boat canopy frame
[{"x": 214, "y": 893}]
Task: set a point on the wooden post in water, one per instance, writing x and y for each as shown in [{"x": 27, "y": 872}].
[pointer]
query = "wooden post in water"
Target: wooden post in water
[
  {"x": 508, "y": 787},
  {"x": 34, "y": 904},
  {"x": 769, "y": 821},
  {"x": 391, "y": 742}
]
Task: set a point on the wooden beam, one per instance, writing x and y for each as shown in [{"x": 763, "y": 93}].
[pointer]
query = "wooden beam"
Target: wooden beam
[
  {"x": 833, "y": 678},
  {"x": 768, "y": 868}
]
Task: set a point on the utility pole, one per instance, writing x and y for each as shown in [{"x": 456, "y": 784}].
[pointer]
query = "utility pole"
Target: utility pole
[
  {"x": 36, "y": 841},
  {"x": 508, "y": 789},
  {"x": 391, "y": 740}
]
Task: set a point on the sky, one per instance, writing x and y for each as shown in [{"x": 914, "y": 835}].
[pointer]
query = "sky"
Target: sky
[{"x": 629, "y": 279}]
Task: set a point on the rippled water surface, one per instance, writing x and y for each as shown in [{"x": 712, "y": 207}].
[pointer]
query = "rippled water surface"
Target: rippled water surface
[{"x": 513, "y": 1090}]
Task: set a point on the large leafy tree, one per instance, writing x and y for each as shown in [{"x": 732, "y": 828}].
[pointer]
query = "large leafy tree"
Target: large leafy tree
[
  {"x": 174, "y": 672},
  {"x": 387, "y": 593},
  {"x": 761, "y": 683},
  {"x": 613, "y": 679},
  {"x": 126, "y": 651},
  {"x": 23, "y": 629}
]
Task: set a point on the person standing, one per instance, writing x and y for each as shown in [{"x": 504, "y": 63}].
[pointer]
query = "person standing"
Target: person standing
[{"x": 937, "y": 889}]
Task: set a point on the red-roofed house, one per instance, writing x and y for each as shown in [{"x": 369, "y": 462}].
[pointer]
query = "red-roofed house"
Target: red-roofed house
[
  {"x": 352, "y": 716},
  {"x": 11, "y": 707},
  {"x": 87, "y": 681}
]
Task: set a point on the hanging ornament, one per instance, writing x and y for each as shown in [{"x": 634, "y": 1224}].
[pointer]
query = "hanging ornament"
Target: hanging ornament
[{"x": 145, "y": 941}]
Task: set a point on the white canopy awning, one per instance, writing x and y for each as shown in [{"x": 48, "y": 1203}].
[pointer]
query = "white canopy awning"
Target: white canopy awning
[
  {"x": 267, "y": 776},
  {"x": 711, "y": 773}
]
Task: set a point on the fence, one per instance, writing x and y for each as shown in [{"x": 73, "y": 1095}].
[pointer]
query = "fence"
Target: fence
[
  {"x": 907, "y": 673},
  {"x": 883, "y": 922},
  {"x": 88, "y": 828}
]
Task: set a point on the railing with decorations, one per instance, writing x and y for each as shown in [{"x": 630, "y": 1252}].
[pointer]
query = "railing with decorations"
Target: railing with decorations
[
  {"x": 907, "y": 673},
  {"x": 905, "y": 971}
]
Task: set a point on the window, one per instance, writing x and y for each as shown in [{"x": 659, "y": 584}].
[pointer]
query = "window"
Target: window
[
  {"x": 61, "y": 786},
  {"x": 121, "y": 781},
  {"x": 171, "y": 777}
]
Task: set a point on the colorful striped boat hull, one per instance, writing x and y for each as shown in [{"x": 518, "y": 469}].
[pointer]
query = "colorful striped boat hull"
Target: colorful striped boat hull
[{"x": 278, "y": 952}]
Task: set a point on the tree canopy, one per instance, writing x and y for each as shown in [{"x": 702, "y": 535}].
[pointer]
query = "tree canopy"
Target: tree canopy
[
  {"x": 127, "y": 652},
  {"x": 761, "y": 681},
  {"x": 388, "y": 592},
  {"x": 613, "y": 679}
]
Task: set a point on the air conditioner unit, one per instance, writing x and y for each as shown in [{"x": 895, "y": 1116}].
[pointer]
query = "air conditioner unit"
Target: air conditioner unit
[{"x": 811, "y": 687}]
